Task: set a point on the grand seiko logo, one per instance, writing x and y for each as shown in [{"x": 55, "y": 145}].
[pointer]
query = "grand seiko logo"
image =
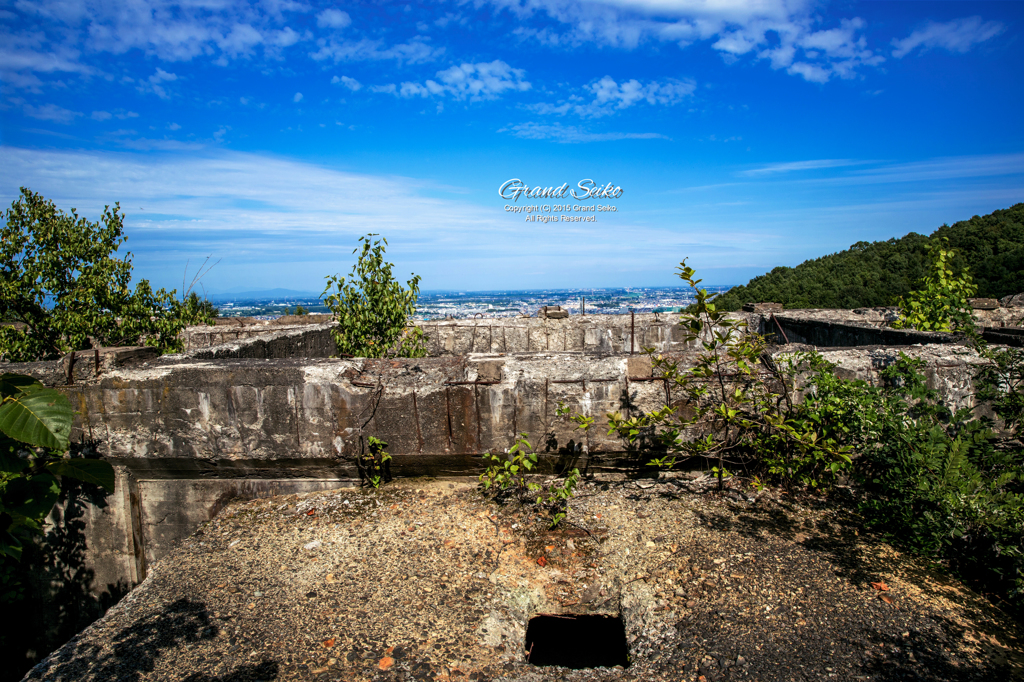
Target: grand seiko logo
[{"x": 585, "y": 189}]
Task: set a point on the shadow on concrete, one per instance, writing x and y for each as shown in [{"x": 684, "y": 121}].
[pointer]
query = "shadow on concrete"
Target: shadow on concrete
[
  {"x": 132, "y": 652},
  {"x": 929, "y": 652},
  {"x": 58, "y": 596}
]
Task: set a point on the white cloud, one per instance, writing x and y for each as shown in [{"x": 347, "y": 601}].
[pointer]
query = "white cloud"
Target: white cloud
[
  {"x": 101, "y": 115},
  {"x": 240, "y": 41},
  {"x": 621, "y": 96},
  {"x": 959, "y": 35},
  {"x": 350, "y": 83},
  {"x": 223, "y": 200},
  {"x": 333, "y": 18},
  {"x": 174, "y": 126},
  {"x": 790, "y": 166},
  {"x": 413, "y": 52},
  {"x": 609, "y": 96},
  {"x": 297, "y": 97},
  {"x": 413, "y": 90},
  {"x": 51, "y": 36},
  {"x": 810, "y": 72},
  {"x": 51, "y": 112},
  {"x": 155, "y": 83},
  {"x": 480, "y": 81},
  {"x": 787, "y": 33},
  {"x": 571, "y": 134}
]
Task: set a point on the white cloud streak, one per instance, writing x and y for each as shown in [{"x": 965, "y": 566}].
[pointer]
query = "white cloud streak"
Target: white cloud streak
[
  {"x": 572, "y": 134},
  {"x": 959, "y": 35}
]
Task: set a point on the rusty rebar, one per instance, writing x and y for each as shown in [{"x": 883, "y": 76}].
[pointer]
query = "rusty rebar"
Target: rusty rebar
[{"x": 632, "y": 331}]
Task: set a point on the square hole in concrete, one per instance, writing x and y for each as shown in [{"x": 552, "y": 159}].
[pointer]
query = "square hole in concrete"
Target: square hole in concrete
[{"x": 572, "y": 641}]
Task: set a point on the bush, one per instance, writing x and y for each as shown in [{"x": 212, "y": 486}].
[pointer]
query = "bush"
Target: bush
[
  {"x": 940, "y": 303},
  {"x": 60, "y": 279},
  {"x": 736, "y": 405},
  {"x": 372, "y": 308}
]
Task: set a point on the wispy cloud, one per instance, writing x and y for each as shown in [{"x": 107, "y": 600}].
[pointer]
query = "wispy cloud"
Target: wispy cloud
[
  {"x": 415, "y": 51},
  {"x": 959, "y": 35},
  {"x": 51, "y": 112},
  {"x": 791, "y": 166},
  {"x": 156, "y": 83},
  {"x": 571, "y": 134}
]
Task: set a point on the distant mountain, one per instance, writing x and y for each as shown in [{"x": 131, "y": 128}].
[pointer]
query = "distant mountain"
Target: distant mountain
[
  {"x": 877, "y": 273},
  {"x": 264, "y": 295}
]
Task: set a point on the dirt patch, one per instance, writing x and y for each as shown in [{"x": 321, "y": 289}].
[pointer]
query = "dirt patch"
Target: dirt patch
[{"x": 428, "y": 580}]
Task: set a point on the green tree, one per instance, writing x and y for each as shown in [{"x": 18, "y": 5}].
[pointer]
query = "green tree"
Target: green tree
[
  {"x": 60, "y": 278},
  {"x": 372, "y": 308},
  {"x": 877, "y": 273}
]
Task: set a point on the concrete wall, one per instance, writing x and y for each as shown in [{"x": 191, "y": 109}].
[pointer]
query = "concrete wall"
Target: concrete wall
[
  {"x": 593, "y": 334},
  {"x": 798, "y": 327},
  {"x": 187, "y": 434}
]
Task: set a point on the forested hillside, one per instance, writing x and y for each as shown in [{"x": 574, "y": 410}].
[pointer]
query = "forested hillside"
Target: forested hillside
[{"x": 877, "y": 273}]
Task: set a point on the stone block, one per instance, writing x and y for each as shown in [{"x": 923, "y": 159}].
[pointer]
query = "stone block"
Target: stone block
[
  {"x": 553, "y": 312},
  {"x": 983, "y": 303},
  {"x": 1014, "y": 301},
  {"x": 765, "y": 307},
  {"x": 638, "y": 366}
]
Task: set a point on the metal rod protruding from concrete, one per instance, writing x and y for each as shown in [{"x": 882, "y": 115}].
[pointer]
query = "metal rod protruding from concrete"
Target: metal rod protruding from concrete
[{"x": 632, "y": 330}]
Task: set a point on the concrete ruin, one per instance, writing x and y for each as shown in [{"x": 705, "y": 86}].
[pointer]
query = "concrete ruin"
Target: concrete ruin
[{"x": 259, "y": 409}]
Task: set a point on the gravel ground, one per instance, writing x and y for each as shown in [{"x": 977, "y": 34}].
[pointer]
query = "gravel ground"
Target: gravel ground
[{"x": 428, "y": 580}]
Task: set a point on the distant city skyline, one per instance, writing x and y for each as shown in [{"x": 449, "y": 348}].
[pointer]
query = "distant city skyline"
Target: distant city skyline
[{"x": 740, "y": 135}]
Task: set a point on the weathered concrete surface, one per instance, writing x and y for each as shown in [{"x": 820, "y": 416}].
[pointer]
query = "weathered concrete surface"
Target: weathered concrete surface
[
  {"x": 880, "y": 317},
  {"x": 189, "y": 434},
  {"x": 594, "y": 334},
  {"x": 429, "y": 581},
  {"x": 228, "y": 329}
]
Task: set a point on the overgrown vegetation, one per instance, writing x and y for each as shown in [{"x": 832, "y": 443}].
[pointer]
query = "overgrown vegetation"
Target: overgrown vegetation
[
  {"x": 932, "y": 478},
  {"x": 507, "y": 477},
  {"x": 879, "y": 273},
  {"x": 372, "y": 308},
  {"x": 63, "y": 285},
  {"x": 736, "y": 405},
  {"x": 940, "y": 301},
  {"x": 374, "y": 464}
]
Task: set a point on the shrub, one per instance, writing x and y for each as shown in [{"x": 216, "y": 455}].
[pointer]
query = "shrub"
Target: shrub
[
  {"x": 940, "y": 303},
  {"x": 735, "y": 403},
  {"x": 372, "y": 308}
]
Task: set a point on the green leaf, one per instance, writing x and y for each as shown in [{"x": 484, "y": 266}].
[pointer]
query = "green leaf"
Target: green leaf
[
  {"x": 32, "y": 498},
  {"x": 41, "y": 418},
  {"x": 10, "y": 462},
  {"x": 13, "y": 384},
  {"x": 94, "y": 471}
]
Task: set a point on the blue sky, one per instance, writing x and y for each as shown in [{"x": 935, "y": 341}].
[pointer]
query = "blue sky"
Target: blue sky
[{"x": 744, "y": 135}]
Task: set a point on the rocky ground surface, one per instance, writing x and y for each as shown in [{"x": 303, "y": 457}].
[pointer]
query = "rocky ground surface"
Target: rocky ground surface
[{"x": 428, "y": 580}]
